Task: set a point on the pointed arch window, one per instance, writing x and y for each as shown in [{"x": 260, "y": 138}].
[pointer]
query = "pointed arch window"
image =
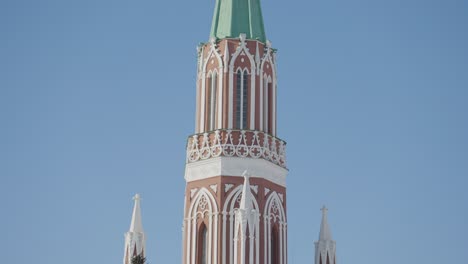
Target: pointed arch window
[
  {"x": 241, "y": 98},
  {"x": 211, "y": 105},
  {"x": 202, "y": 246},
  {"x": 267, "y": 104},
  {"x": 274, "y": 253},
  {"x": 213, "y": 101}
]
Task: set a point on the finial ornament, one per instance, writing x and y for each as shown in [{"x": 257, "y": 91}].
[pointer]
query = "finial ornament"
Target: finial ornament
[
  {"x": 199, "y": 47},
  {"x": 137, "y": 197},
  {"x": 242, "y": 37},
  {"x": 246, "y": 174},
  {"x": 212, "y": 40},
  {"x": 324, "y": 209}
]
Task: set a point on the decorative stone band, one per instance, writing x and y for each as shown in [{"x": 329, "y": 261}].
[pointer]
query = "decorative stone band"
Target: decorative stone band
[{"x": 236, "y": 143}]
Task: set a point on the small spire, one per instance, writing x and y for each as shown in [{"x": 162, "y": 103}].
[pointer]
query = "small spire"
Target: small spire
[
  {"x": 136, "y": 225},
  {"x": 325, "y": 233},
  {"x": 135, "y": 237},
  {"x": 257, "y": 55},
  {"x": 246, "y": 200}
]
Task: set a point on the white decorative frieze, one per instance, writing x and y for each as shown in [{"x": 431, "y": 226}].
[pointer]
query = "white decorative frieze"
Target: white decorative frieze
[
  {"x": 214, "y": 187},
  {"x": 281, "y": 196},
  {"x": 236, "y": 143},
  {"x": 267, "y": 191}
]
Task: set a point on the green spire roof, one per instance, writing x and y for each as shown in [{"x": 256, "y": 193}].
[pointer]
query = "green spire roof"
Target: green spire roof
[{"x": 233, "y": 17}]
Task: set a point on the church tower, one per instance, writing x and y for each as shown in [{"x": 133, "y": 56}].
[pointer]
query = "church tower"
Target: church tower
[
  {"x": 325, "y": 247},
  {"x": 135, "y": 237},
  {"x": 235, "y": 199}
]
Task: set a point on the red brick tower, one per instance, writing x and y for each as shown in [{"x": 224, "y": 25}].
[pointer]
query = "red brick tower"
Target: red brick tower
[{"x": 235, "y": 200}]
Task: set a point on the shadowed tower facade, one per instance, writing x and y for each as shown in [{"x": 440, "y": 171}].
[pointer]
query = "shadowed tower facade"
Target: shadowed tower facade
[{"x": 235, "y": 199}]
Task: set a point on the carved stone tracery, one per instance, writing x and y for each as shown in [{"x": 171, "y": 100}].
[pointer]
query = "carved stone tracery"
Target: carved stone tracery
[{"x": 236, "y": 143}]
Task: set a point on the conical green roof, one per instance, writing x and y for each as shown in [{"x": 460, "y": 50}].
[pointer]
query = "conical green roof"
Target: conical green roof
[{"x": 233, "y": 17}]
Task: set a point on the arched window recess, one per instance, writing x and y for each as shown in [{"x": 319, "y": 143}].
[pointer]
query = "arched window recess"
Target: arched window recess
[
  {"x": 211, "y": 96},
  {"x": 202, "y": 245},
  {"x": 267, "y": 104},
  {"x": 242, "y": 97},
  {"x": 274, "y": 253}
]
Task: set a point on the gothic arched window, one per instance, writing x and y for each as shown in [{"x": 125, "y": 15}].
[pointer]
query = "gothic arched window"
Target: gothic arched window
[
  {"x": 208, "y": 102},
  {"x": 267, "y": 113},
  {"x": 214, "y": 80},
  {"x": 241, "y": 98},
  {"x": 274, "y": 253},
  {"x": 202, "y": 246},
  {"x": 267, "y": 105},
  {"x": 211, "y": 102}
]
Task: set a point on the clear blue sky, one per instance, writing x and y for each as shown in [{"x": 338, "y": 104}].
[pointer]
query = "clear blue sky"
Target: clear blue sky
[{"x": 97, "y": 100}]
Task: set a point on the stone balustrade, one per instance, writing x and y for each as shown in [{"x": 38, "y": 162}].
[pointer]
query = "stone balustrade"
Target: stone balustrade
[{"x": 236, "y": 143}]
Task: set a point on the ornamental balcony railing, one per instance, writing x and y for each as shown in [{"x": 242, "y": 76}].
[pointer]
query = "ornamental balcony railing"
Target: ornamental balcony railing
[{"x": 236, "y": 143}]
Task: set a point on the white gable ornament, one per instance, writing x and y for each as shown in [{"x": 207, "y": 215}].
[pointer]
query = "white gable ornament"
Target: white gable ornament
[
  {"x": 228, "y": 187},
  {"x": 192, "y": 192},
  {"x": 254, "y": 188}
]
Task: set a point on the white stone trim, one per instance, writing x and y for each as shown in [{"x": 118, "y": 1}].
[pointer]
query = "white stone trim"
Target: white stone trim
[
  {"x": 213, "y": 51},
  {"x": 212, "y": 147},
  {"x": 254, "y": 188},
  {"x": 274, "y": 88},
  {"x": 233, "y": 166},
  {"x": 191, "y": 218},
  {"x": 272, "y": 199},
  {"x": 270, "y": 57},
  {"x": 220, "y": 90},
  {"x": 214, "y": 187},
  {"x": 193, "y": 191},
  {"x": 252, "y": 99},
  {"x": 228, "y": 187}
]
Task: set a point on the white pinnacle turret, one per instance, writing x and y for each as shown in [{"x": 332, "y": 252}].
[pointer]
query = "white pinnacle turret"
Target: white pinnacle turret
[
  {"x": 325, "y": 247},
  {"x": 135, "y": 237},
  {"x": 246, "y": 199},
  {"x": 325, "y": 234},
  {"x": 136, "y": 225},
  {"x": 246, "y": 225}
]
